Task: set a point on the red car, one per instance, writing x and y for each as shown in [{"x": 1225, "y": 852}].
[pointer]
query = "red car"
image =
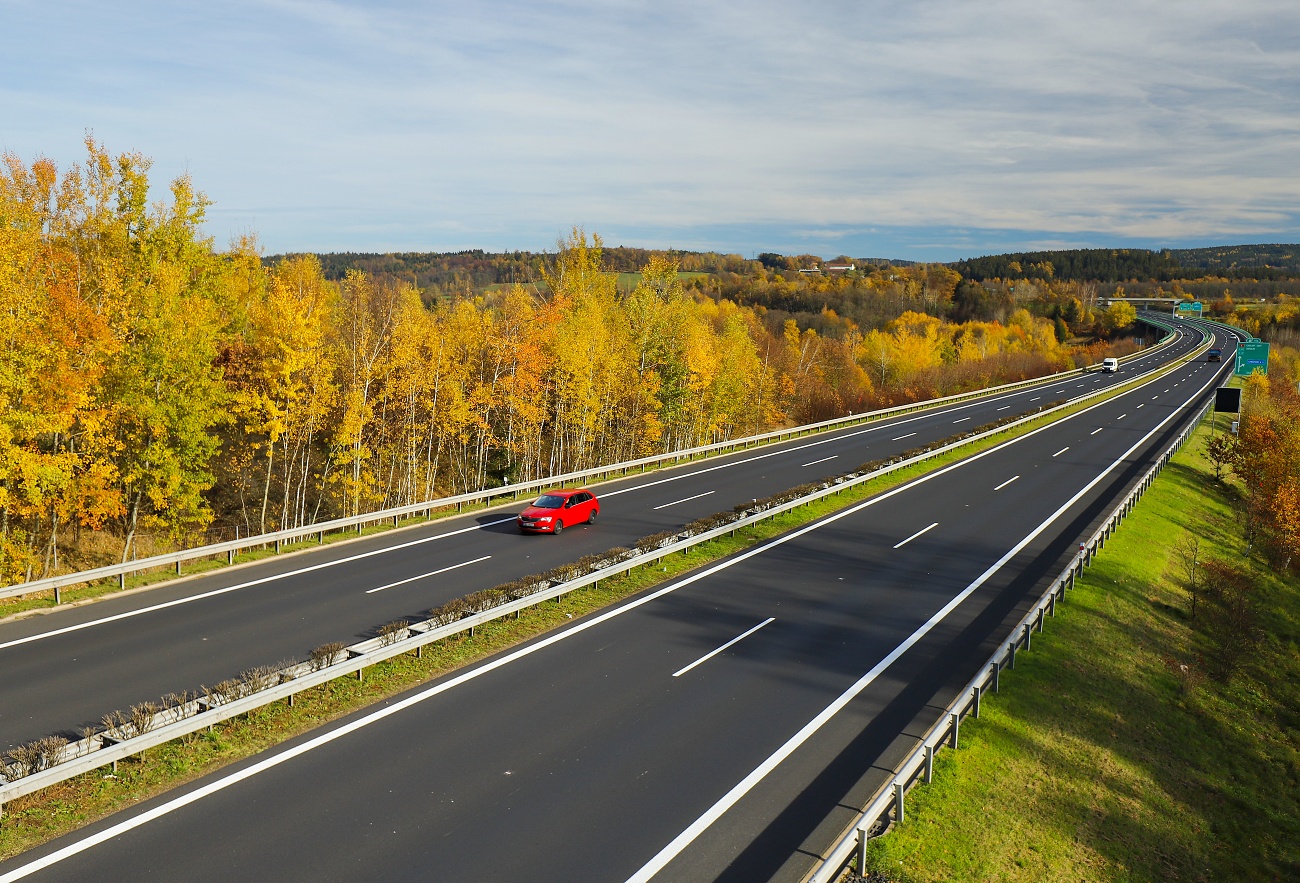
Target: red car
[{"x": 555, "y": 510}]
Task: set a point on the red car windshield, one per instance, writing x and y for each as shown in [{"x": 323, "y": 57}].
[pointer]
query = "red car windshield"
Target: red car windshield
[{"x": 550, "y": 501}]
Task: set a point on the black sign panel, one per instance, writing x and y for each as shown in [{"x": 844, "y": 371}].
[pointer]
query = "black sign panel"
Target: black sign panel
[{"x": 1227, "y": 400}]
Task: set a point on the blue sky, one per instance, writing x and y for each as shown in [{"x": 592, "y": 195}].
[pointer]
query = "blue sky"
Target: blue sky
[{"x": 925, "y": 130}]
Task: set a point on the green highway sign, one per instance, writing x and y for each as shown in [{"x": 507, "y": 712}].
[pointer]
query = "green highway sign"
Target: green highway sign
[
  {"x": 1252, "y": 356},
  {"x": 1188, "y": 307}
]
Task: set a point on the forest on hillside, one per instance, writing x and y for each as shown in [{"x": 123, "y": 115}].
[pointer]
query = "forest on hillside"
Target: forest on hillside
[
  {"x": 1231, "y": 262},
  {"x": 1243, "y": 260},
  {"x": 157, "y": 391}
]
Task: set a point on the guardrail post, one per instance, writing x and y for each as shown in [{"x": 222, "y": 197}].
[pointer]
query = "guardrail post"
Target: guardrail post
[
  {"x": 1012, "y": 648},
  {"x": 1029, "y": 631},
  {"x": 997, "y": 670},
  {"x": 976, "y": 709},
  {"x": 898, "y": 803},
  {"x": 121, "y": 581},
  {"x": 929, "y": 764},
  {"x": 58, "y": 596},
  {"x": 230, "y": 556},
  {"x": 178, "y": 568},
  {"x": 956, "y": 724},
  {"x": 277, "y": 547},
  {"x": 1051, "y": 605},
  {"x": 862, "y": 848}
]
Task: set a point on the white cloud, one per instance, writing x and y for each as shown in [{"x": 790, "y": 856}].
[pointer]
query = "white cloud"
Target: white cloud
[{"x": 415, "y": 125}]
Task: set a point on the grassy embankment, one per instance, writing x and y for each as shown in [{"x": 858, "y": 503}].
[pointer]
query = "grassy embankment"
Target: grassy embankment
[
  {"x": 31, "y": 820},
  {"x": 1101, "y": 759}
]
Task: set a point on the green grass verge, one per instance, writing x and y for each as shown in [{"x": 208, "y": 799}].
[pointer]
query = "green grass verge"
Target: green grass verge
[{"x": 1098, "y": 761}]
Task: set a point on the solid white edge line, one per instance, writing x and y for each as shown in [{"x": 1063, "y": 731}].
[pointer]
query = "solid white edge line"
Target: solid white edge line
[
  {"x": 923, "y": 530},
  {"x": 402, "y": 582},
  {"x": 1007, "y": 482},
  {"x": 707, "y": 656},
  {"x": 275, "y": 760},
  {"x": 686, "y": 500},
  {"x": 256, "y": 582},
  {"x": 822, "y": 460},
  {"x": 684, "y": 839}
]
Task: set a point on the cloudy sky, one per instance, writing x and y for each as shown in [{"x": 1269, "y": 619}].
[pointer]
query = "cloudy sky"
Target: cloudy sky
[{"x": 918, "y": 129}]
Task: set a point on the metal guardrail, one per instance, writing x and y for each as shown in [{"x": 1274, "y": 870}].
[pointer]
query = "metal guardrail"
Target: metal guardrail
[
  {"x": 886, "y": 807},
  {"x": 104, "y": 748},
  {"x": 395, "y": 514}
]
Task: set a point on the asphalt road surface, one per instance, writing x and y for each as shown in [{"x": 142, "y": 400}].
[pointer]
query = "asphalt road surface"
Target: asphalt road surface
[{"x": 718, "y": 728}]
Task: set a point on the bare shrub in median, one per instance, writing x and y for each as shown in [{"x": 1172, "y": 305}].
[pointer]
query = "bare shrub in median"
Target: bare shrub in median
[
  {"x": 35, "y": 756},
  {"x": 116, "y": 725},
  {"x": 393, "y": 632},
  {"x": 226, "y": 691},
  {"x": 324, "y": 655},
  {"x": 656, "y": 540},
  {"x": 142, "y": 717},
  {"x": 286, "y": 670},
  {"x": 257, "y": 679}
]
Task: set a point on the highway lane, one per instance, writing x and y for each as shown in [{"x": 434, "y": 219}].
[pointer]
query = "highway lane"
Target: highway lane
[
  {"x": 66, "y": 669},
  {"x": 585, "y": 753}
]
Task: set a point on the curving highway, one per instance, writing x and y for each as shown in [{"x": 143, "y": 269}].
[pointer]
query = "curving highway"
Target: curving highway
[
  {"x": 722, "y": 727},
  {"x": 66, "y": 669}
]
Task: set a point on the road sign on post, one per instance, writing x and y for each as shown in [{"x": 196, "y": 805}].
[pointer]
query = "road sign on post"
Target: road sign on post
[
  {"x": 1188, "y": 306},
  {"x": 1252, "y": 356},
  {"x": 1227, "y": 400}
]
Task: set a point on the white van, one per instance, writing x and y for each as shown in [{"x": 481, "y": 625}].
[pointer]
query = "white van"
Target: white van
[{"x": 1109, "y": 366}]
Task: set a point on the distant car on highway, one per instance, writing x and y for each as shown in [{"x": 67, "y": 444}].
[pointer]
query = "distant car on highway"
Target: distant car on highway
[
  {"x": 557, "y": 509},
  {"x": 1214, "y": 356}
]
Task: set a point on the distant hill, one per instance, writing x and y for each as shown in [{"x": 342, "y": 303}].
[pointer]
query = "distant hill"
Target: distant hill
[
  {"x": 1240, "y": 257},
  {"x": 1138, "y": 264},
  {"x": 475, "y": 269},
  {"x": 1081, "y": 264}
]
